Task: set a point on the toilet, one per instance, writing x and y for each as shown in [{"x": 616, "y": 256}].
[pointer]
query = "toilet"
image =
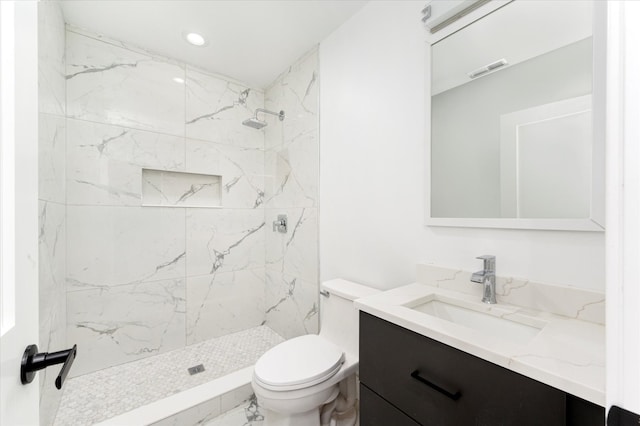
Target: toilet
[{"x": 310, "y": 380}]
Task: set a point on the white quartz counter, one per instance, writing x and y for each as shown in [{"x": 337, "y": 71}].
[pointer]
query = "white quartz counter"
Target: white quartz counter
[{"x": 566, "y": 353}]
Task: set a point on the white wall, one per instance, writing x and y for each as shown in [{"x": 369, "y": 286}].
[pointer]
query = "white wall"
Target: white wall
[
  {"x": 623, "y": 206},
  {"x": 372, "y": 127}
]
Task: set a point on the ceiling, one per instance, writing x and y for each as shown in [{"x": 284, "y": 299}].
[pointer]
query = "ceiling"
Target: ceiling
[{"x": 250, "y": 41}]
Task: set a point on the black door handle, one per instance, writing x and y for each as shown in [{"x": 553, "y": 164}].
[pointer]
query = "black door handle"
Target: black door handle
[
  {"x": 455, "y": 395},
  {"x": 32, "y": 361}
]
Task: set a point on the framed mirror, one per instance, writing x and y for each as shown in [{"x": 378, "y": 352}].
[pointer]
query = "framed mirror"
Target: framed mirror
[{"x": 516, "y": 135}]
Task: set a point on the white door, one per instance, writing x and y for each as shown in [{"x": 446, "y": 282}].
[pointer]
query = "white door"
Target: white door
[{"x": 18, "y": 207}]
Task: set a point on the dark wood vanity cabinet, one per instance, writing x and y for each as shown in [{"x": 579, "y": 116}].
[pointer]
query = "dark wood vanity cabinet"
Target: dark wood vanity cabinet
[{"x": 409, "y": 379}]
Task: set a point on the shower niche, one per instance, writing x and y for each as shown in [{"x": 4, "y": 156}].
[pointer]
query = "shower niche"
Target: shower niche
[{"x": 180, "y": 189}]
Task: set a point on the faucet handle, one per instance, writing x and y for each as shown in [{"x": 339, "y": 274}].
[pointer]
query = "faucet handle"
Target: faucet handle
[{"x": 489, "y": 262}]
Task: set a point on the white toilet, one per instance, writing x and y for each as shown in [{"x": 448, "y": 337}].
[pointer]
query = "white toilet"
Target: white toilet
[{"x": 310, "y": 380}]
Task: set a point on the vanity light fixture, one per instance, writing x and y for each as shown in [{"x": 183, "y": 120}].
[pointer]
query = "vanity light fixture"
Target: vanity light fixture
[
  {"x": 488, "y": 68},
  {"x": 194, "y": 39}
]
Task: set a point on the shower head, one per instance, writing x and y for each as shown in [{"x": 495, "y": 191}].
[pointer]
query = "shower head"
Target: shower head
[{"x": 255, "y": 123}]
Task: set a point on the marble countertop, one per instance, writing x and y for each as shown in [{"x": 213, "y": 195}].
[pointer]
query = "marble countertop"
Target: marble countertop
[{"x": 566, "y": 353}]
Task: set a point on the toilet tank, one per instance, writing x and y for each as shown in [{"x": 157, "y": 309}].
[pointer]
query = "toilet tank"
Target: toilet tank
[{"x": 338, "y": 317}]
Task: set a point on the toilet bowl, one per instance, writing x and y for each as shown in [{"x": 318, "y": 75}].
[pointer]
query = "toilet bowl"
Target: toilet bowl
[{"x": 308, "y": 380}]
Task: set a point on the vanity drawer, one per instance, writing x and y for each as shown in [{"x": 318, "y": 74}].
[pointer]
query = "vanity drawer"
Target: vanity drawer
[
  {"x": 415, "y": 373},
  {"x": 375, "y": 411}
]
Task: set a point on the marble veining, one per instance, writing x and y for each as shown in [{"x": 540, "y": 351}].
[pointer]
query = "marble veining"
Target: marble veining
[
  {"x": 109, "y": 84},
  {"x": 131, "y": 322},
  {"x": 291, "y": 157},
  {"x": 291, "y": 304},
  {"x": 224, "y": 240},
  {"x": 161, "y": 187},
  {"x": 296, "y": 252},
  {"x": 247, "y": 414},
  {"x": 241, "y": 169},
  {"x": 104, "y": 162},
  {"x": 572, "y": 302},
  {"x": 217, "y": 107},
  {"x": 51, "y": 158},
  {"x": 223, "y": 303},
  {"x": 112, "y": 246},
  {"x": 291, "y": 187}
]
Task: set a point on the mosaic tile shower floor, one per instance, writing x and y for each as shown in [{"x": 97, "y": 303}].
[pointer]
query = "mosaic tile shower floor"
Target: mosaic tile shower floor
[{"x": 106, "y": 393}]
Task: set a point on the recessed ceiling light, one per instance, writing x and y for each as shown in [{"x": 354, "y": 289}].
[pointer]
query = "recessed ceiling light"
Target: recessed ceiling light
[
  {"x": 178, "y": 80},
  {"x": 195, "y": 39}
]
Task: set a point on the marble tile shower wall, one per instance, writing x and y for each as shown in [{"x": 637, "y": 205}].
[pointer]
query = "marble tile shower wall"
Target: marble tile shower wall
[
  {"x": 51, "y": 197},
  {"x": 143, "y": 280},
  {"x": 291, "y": 188}
]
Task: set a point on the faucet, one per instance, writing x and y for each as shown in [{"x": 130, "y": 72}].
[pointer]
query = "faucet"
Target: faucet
[{"x": 487, "y": 277}]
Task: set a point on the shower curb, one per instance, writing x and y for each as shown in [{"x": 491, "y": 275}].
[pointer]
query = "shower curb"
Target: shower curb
[{"x": 192, "y": 406}]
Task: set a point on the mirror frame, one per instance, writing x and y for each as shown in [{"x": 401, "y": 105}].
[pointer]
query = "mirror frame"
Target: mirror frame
[{"x": 596, "y": 221}]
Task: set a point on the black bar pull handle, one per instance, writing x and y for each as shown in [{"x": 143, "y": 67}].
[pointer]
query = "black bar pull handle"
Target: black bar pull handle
[
  {"x": 455, "y": 395},
  {"x": 32, "y": 361}
]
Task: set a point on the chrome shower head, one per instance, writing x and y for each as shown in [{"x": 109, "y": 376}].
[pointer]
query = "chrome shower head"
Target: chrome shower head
[{"x": 255, "y": 123}]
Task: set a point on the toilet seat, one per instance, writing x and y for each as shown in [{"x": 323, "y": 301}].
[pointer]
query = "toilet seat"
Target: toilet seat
[{"x": 298, "y": 363}]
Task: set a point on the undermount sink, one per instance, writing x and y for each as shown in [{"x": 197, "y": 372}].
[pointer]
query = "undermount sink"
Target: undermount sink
[{"x": 495, "y": 323}]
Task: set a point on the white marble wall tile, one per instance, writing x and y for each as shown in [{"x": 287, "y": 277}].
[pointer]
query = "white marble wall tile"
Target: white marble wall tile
[
  {"x": 295, "y": 91},
  {"x": 216, "y": 109},
  {"x": 165, "y": 188},
  {"x": 52, "y": 300},
  {"x": 291, "y": 173},
  {"x": 296, "y": 252},
  {"x": 292, "y": 156},
  {"x": 129, "y": 322},
  {"x": 110, "y": 84},
  {"x": 51, "y": 158},
  {"x": 104, "y": 162},
  {"x": 572, "y": 302},
  {"x": 52, "y": 272},
  {"x": 241, "y": 168},
  {"x": 51, "y": 58},
  {"x": 291, "y": 304},
  {"x": 110, "y": 246},
  {"x": 224, "y": 240},
  {"x": 224, "y": 303}
]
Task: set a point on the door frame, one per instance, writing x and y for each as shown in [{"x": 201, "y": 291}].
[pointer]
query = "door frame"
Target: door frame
[{"x": 19, "y": 404}]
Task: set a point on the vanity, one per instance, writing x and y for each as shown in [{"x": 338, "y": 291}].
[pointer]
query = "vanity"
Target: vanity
[
  {"x": 432, "y": 355},
  {"x": 515, "y": 140}
]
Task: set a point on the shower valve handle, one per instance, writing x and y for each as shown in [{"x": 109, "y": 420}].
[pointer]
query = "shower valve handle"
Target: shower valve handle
[{"x": 280, "y": 225}]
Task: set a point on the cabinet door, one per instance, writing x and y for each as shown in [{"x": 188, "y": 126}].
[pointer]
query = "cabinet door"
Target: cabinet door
[
  {"x": 375, "y": 411},
  {"x": 421, "y": 376}
]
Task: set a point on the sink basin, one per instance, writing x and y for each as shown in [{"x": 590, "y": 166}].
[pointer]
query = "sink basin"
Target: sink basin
[{"x": 494, "y": 323}]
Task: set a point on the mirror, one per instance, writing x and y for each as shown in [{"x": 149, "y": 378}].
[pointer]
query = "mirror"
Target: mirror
[{"x": 515, "y": 139}]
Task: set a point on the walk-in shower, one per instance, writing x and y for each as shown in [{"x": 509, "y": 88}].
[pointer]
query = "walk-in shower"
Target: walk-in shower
[
  {"x": 157, "y": 258},
  {"x": 256, "y": 123}
]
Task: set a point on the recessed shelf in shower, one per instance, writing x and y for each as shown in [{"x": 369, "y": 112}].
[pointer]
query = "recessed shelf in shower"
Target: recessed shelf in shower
[{"x": 180, "y": 189}]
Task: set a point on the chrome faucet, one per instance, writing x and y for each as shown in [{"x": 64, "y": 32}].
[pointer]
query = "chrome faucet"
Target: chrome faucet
[{"x": 487, "y": 277}]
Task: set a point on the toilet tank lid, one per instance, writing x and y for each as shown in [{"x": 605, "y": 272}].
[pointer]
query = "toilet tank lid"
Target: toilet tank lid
[{"x": 348, "y": 289}]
